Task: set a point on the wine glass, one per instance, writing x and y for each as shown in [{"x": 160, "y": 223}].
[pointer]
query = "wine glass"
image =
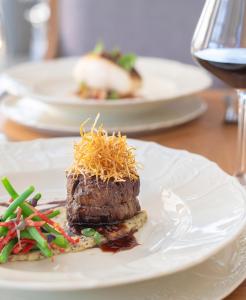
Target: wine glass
[{"x": 219, "y": 45}]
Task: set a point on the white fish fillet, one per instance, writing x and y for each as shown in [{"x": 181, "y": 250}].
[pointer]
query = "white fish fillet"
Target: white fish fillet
[{"x": 101, "y": 73}]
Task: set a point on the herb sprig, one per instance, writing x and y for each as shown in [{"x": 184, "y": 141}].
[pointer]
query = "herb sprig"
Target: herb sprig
[
  {"x": 127, "y": 61},
  {"x": 91, "y": 232}
]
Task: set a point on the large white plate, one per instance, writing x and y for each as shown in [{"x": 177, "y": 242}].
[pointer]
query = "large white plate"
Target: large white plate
[
  {"x": 214, "y": 279},
  {"x": 52, "y": 120},
  {"x": 52, "y": 82},
  {"x": 194, "y": 208}
]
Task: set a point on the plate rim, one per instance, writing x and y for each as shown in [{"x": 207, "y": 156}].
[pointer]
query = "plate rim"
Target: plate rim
[
  {"x": 76, "y": 285},
  {"x": 224, "y": 291},
  {"x": 130, "y": 129}
]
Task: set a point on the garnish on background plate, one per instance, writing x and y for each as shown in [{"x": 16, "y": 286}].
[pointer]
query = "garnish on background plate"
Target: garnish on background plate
[
  {"x": 103, "y": 74},
  {"x": 99, "y": 48}
]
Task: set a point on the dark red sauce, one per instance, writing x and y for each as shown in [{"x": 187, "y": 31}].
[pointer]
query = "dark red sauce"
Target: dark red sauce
[
  {"x": 125, "y": 243},
  {"x": 111, "y": 232}
]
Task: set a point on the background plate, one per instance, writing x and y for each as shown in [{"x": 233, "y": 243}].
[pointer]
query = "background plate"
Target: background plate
[
  {"x": 52, "y": 120},
  {"x": 52, "y": 82}
]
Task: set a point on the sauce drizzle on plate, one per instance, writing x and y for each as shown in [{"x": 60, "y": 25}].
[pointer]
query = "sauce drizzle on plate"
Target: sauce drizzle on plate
[{"x": 125, "y": 243}]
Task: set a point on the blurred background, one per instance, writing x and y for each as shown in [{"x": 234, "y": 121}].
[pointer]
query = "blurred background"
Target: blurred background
[{"x": 45, "y": 29}]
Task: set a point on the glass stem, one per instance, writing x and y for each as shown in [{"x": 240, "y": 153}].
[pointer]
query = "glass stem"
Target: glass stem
[{"x": 241, "y": 148}]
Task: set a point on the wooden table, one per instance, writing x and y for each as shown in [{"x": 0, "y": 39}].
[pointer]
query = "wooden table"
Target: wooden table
[{"x": 208, "y": 136}]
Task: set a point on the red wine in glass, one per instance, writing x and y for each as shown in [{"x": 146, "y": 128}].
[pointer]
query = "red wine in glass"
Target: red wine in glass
[{"x": 228, "y": 64}]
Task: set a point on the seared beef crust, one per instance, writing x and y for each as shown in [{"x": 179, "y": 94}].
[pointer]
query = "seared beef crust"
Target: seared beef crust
[{"x": 92, "y": 202}]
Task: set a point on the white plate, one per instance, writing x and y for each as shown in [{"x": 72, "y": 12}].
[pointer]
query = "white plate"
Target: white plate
[
  {"x": 214, "y": 279},
  {"x": 47, "y": 119},
  {"x": 194, "y": 208},
  {"x": 52, "y": 82}
]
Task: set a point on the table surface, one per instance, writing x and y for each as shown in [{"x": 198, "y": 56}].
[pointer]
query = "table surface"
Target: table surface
[{"x": 207, "y": 136}]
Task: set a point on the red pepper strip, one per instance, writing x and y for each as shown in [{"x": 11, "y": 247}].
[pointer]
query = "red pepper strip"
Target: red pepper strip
[
  {"x": 20, "y": 247},
  {"x": 19, "y": 213},
  {"x": 29, "y": 241},
  {"x": 57, "y": 227},
  {"x": 35, "y": 214},
  {"x": 31, "y": 223},
  {"x": 47, "y": 212},
  {"x": 27, "y": 248},
  {"x": 54, "y": 246},
  {"x": 31, "y": 216},
  {"x": 17, "y": 248},
  {"x": 10, "y": 235},
  {"x": 7, "y": 224}
]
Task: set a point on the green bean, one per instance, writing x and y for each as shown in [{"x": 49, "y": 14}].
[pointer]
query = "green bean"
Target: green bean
[
  {"x": 45, "y": 250},
  {"x": 8, "y": 186},
  {"x": 36, "y": 236},
  {"x": 97, "y": 238},
  {"x": 4, "y": 230},
  {"x": 25, "y": 235},
  {"x": 53, "y": 214},
  {"x": 26, "y": 208},
  {"x": 12, "y": 192},
  {"x": 32, "y": 235},
  {"x": 37, "y": 196},
  {"x": 41, "y": 242},
  {"x": 50, "y": 229},
  {"x": 4, "y": 255},
  {"x": 12, "y": 216},
  {"x": 34, "y": 200},
  {"x": 27, "y": 211},
  {"x": 91, "y": 232},
  {"x": 88, "y": 232},
  {"x": 59, "y": 239},
  {"x": 17, "y": 202}
]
